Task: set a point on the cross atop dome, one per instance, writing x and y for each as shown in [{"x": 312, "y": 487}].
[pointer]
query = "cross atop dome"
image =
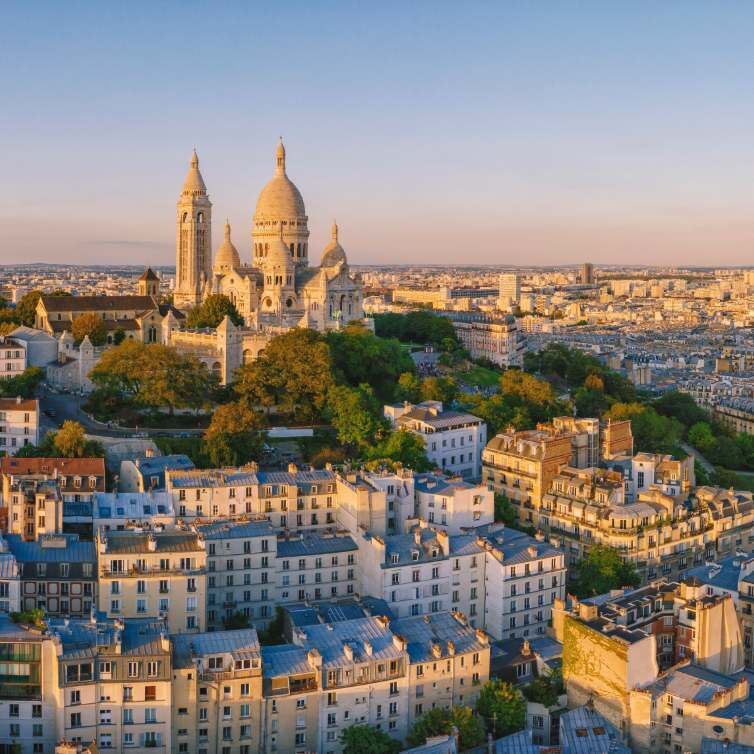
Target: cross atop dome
[{"x": 280, "y": 158}]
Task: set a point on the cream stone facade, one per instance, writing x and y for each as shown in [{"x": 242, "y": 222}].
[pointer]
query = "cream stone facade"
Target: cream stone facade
[
  {"x": 276, "y": 291},
  {"x": 154, "y": 574}
]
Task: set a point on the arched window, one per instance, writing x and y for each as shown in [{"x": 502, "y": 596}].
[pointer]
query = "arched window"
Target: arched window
[
  {"x": 200, "y": 217},
  {"x": 298, "y": 250},
  {"x": 185, "y": 217},
  {"x": 291, "y": 249}
]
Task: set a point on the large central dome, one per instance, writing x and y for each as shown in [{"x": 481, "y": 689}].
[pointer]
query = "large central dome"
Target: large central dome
[
  {"x": 280, "y": 199},
  {"x": 280, "y": 207}
]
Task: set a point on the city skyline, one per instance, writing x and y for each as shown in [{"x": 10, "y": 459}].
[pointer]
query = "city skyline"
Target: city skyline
[{"x": 431, "y": 134}]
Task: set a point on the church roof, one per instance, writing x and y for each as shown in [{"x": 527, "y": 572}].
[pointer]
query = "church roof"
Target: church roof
[
  {"x": 96, "y": 303},
  {"x": 194, "y": 183},
  {"x": 148, "y": 274},
  {"x": 280, "y": 199}
]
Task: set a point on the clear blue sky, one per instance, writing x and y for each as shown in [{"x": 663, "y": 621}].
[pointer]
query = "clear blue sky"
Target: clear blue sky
[{"x": 502, "y": 132}]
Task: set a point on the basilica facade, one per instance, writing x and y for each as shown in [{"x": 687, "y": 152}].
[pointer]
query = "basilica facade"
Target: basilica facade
[{"x": 277, "y": 289}]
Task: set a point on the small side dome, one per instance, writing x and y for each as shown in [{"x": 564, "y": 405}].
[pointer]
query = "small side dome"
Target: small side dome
[
  {"x": 333, "y": 254},
  {"x": 278, "y": 255},
  {"x": 227, "y": 258}
]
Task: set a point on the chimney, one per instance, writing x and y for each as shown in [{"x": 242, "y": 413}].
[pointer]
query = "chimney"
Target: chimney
[
  {"x": 18, "y": 399},
  {"x": 149, "y": 453},
  {"x": 348, "y": 651},
  {"x": 292, "y": 468}
]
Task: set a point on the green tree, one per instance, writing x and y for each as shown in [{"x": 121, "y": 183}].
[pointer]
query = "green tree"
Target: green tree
[
  {"x": 701, "y": 437},
  {"x": 505, "y": 511},
  {"x": 601, "y": 570},
  {"x": 439, "y": 389},
  {"x": 24, "y": 384},
  {"x": 119, "y": 335},
  {"x": 235, "y": 435},
  {"x": 153, "y": 376},
  {"x": 26, "y": 309},
  {"x": 409, "y": 387},
  {"x": 440, "y": 721},
  {"x": 502, "y": 707},
  {"x": 70, "y": 440},
  {"x": 594, "y": 382},
  {"x": 359, "y": 357},
  {"x": 527, "y": 387},
  {"x": 275, "y": 631},
  {"x": 354, "y": 413},
  {"x": 652, "y": 432},
  {"x": 212, "y": 311},
  {"x": 682, "y": 407},
  {"x": 293, "y": 374},
  {"x": 364, "y": 739},
  {"x": 590, "y": 402},
  {"x": 235, "y": 621},
  {"x": 401, "y": 447},
  {"x": 545, "y": 689},
  {"x": 89, "y": 324},
  {"x": 420, "y": 326}
]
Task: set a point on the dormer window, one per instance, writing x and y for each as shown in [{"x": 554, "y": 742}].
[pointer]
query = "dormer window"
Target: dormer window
[
  {"x": 414, "y": 555},
  {"x": 394, "y": 557}
]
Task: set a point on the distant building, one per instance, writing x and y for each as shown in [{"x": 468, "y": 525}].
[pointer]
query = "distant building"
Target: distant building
[
  {"x": 493, "y": 337},
  {"x": 586, "y": 275},
  {"x": 453, "y": 439},
  {"x": 509, "y": 291}
]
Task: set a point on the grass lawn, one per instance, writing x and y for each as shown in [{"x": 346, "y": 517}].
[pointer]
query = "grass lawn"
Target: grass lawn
[{"x": 478, "y": 376}]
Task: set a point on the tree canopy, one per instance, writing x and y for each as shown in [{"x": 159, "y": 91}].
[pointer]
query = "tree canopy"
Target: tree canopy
[
  {"x": 235, "y": 435},
  {"x": 502, "y": 707},
  {"x": 24, "y": 384},
  {"x": 212, "y": 311},
  {"x": 153, "y": 376},
  {"x": 652, "y": 432},
  {"x": 68, "y": 442},
  {"x": 400, "y": 447},
  {"x": 601, "y": 570},
  {"x": 440, "y": 721},
  {"x": 89, "y": 324},
  {"x": 365, "y": 739},
  {"x": 420, "y": 326},
  {"x": 359, "y": 357},
  {"x": 293, "y": 374},
  {"x": 354, "y": 413}
]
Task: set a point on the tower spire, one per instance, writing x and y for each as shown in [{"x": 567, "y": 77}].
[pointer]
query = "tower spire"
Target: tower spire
[
  {"x": 280, "y": 158},
  {"x": 194, "y": 159},
  {"x": 227, "y": 230},
  {"x": 334, "y": 231}
]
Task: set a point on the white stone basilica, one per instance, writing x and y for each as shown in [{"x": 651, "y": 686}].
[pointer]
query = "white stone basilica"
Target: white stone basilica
[{"x": 278, "y": 289}]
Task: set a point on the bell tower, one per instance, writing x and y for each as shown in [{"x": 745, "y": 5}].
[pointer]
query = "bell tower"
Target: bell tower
[{"x": 193, "y": 262}]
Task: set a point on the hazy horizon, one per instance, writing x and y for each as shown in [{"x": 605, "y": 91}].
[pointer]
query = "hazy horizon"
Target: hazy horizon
[{"x": 434, "y": 133}]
